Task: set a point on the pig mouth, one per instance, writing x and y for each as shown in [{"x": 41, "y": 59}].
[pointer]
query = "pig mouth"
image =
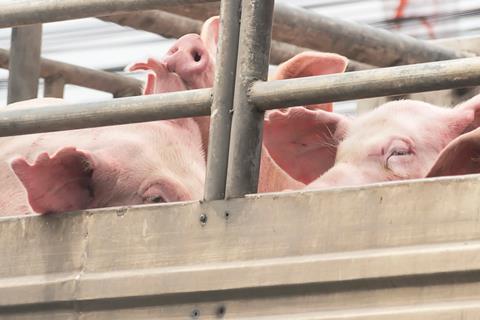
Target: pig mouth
[{"x": 159, "y": 78}]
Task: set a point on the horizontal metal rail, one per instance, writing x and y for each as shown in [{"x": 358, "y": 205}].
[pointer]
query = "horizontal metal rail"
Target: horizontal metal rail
[
  {"x": 113, "y": 112},
  {"x": 118, "y": 85},
  {"x": 430, "y": 76},
  {"x": 264, "y": 95},
  {"x": 16, "y": 13}
]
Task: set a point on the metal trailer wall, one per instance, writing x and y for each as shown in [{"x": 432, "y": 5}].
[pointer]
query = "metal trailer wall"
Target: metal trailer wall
[{"x": 400, "y": 250}]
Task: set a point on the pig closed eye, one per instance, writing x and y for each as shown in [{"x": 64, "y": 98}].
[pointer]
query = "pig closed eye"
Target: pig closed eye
[
  {"x": 157, "y": 199},
  {"x": 400, "y": 153}
]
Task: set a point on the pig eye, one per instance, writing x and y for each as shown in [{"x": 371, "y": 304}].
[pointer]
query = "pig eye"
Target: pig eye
[
  {"x": 154, "y": 199},
  {"x": 157, "y": 199},
  {"x": 399, "y": 153}
]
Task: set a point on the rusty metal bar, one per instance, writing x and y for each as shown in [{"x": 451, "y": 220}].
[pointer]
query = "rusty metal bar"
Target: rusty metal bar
[
  {"x": 222, "y": 105},
  {"x": 163, "y": 23},
  {"x": 16, "y": 13},
  {"x": 112, "y": 112},
  {"x": 366, "y": 84},
  {"x": 24, "y": 66},
  {"x": 357, "y": 41},
  {"x": 174, "y": 26},
  {"x": 118, "y": 85},
  {"x": 247, "y": 122}
]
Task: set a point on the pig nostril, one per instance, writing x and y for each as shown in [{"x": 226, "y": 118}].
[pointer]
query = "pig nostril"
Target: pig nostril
[{"x": 197, "y": 57}]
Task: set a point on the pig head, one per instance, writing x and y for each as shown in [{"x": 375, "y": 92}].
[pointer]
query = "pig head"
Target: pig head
[
  {"x": 190, "y": 64},
  {"x": 152, "y": 162},
  {"x": 400, "y": 140}
]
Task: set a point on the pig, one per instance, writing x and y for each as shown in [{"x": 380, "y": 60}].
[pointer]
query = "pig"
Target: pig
[
  {"x": 143, "y": 163},
  {"x": 400, "y": 140},
  {"x": 190, "y": 64}
]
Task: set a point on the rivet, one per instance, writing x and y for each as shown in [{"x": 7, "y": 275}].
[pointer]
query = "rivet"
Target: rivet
[{"x": 203, "y": 218}]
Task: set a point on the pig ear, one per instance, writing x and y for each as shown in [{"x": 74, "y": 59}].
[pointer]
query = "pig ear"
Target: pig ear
[
  {"x": 460, "y": 156},
  {"x": 59, "y": 183},
  {"x": 471, "y": 109},
  {"x": 209, "y": 34},
  {"x": 151, "y": 77},
  {"x": 311, "y": 63},
  {"x": 304, "y": 142}
]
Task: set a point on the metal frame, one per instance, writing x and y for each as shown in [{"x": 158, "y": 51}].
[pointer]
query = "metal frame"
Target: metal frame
[
  {"x": 390, "y": 251},
  {"x": 252, "y": 256},
  {"x": 26, "y": 45},
  {"x": 58, "y": 73}
]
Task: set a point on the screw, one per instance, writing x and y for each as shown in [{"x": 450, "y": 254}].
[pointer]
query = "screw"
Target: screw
[
  {"x": 195, "y": 314},
  {"x": 203, "y": 219},
  {"x": 227, "y": 214},
  {"x": 220, "y": 311}
]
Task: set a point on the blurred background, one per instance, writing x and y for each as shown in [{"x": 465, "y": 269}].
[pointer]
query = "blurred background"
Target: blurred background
[{"x": 107, "y": 46}]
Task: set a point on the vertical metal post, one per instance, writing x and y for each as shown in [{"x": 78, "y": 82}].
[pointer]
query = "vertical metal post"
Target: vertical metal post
[
  {"x": 54, "y": 87},
  {"x": 247, "y": 122},
  {"x": 222, "y": 105},
  {"x": 24, "y": 65}
]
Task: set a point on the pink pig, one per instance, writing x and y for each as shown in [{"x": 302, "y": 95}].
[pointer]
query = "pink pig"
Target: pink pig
[
  {"x": 190, "y": 64},
  {"x": 400, "y": 140},
  {"x": 131, "y": 164}
]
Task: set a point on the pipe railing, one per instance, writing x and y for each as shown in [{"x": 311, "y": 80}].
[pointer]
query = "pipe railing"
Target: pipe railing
[
  {"x": 359, "y": 42},
  {"x": 222, "y": 104},
  {"x": 264, "y": 95},
  {"x": 51, "y": 70},
  {"x": 17, "y": 13},
  {"x": 251, "y": 96}
]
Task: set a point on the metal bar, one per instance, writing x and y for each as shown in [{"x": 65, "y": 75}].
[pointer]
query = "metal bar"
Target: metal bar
[
  {"x": 357, "y": 41},
  {"x": 16, "y": 13},
  {"x": 113, "y": 112},
  {"x": 174, "y": 26},
  {"x": 84, "y": 77},
  {"x": 247, "y": 122},
  {"x": 222, "y": 105},
  {"x": 264, "y": 95},
  {"x": 26, "y": 46},
  {"x": 54, "y": 87},
  {"x": 166, "y": 24},
  {"x": 366, "y": 84}
]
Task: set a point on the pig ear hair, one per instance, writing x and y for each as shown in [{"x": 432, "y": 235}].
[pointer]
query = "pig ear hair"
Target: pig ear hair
[
  {"x": 311, "y": 63},
  {"x": 304, "y": 142},
  {"x": 59, "y": 183},
  {"x": 210, "y": 33},
  {"x": 460, "y": 156}
]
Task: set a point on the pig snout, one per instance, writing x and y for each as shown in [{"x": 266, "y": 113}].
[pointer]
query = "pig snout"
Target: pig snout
[{"x": 188, "y": 57}]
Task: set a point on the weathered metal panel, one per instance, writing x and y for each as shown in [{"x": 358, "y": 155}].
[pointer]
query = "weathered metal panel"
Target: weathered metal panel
[{"x": 407, "y": 250}]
